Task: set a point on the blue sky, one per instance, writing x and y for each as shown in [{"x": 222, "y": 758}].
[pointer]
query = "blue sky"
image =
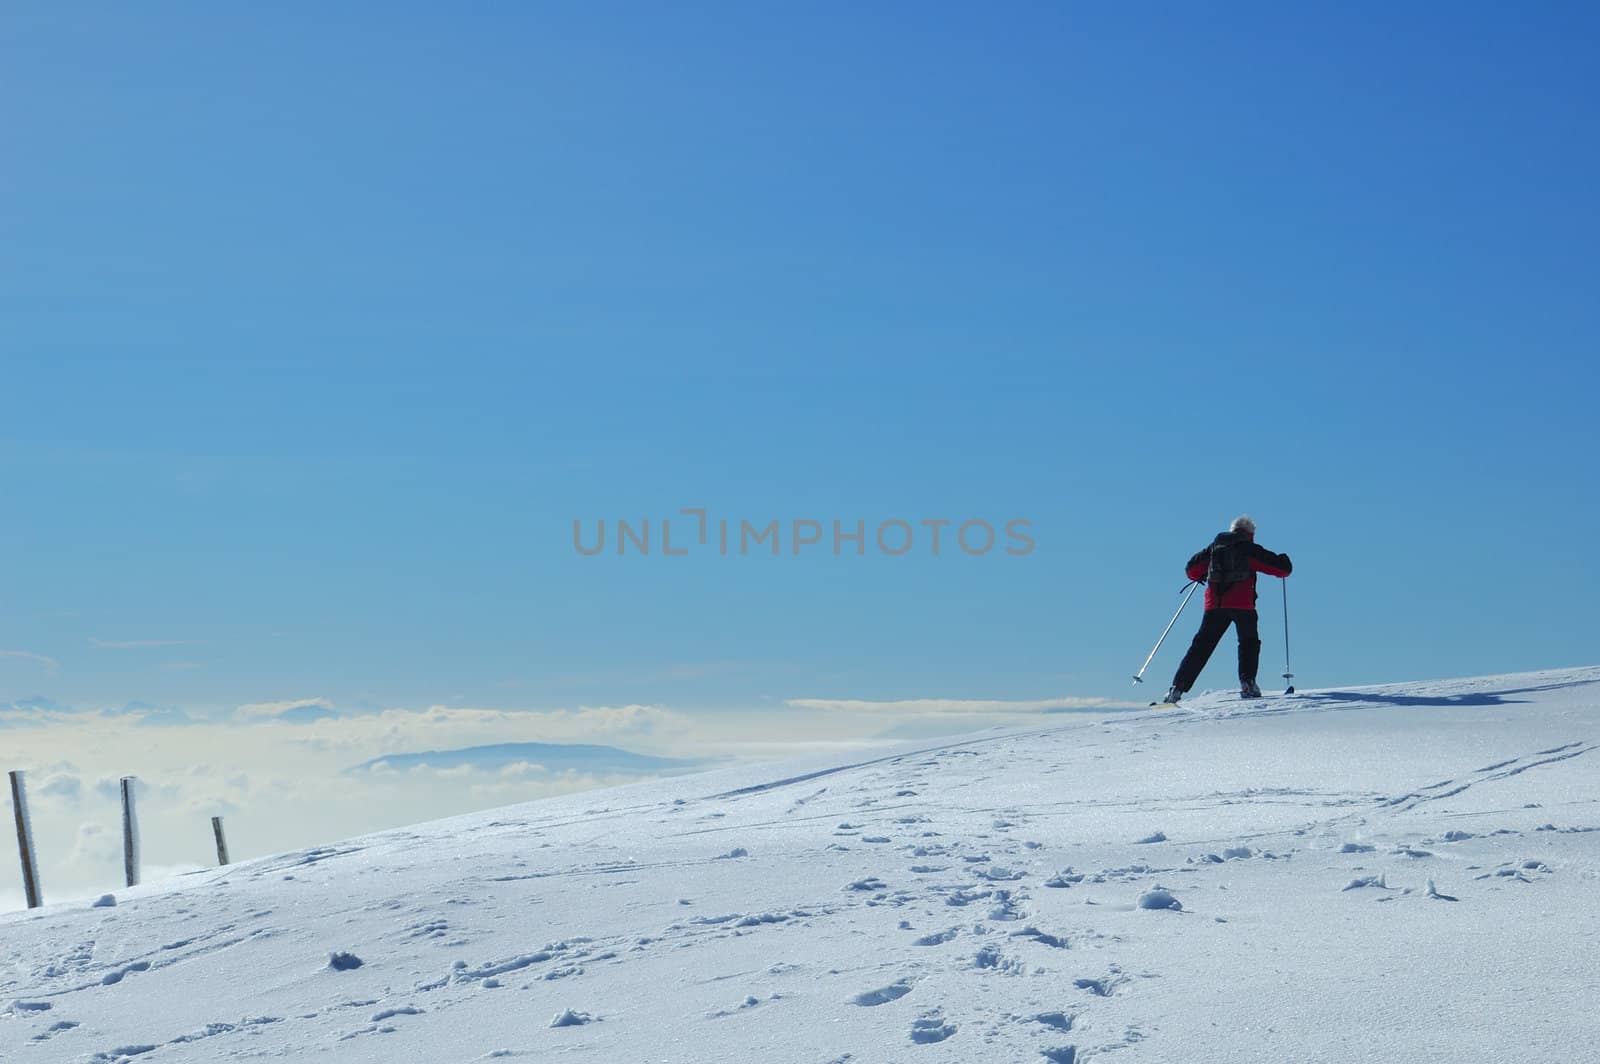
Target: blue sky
[{"x": 323, "y": 326}]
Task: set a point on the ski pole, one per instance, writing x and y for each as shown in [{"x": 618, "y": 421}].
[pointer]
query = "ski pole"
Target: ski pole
[
  {"x": 1139, "y": 676},
  {"x": 1288, "y": 673}
]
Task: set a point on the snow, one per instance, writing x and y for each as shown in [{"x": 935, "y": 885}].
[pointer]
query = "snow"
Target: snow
[
  {"x": 1403, "y": 872},
  {"x": 1159, "y": 898}
]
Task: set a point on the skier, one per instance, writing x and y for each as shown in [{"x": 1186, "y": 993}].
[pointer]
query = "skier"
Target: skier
[{"x": 1228, "y": 568}]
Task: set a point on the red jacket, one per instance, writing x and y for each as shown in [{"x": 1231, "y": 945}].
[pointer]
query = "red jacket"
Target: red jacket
[{"x": 1242, "y": 595}]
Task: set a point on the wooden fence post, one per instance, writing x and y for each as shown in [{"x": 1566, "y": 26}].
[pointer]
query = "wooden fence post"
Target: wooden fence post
[
  {"x": 130, "y": 833},
  {"x": 30, "y": 865},
  {"x": 222, "y": 843}
]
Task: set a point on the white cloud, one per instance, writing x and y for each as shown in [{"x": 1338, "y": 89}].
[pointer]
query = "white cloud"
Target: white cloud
[
  {"x": 451, "y": 772},
  {"x": 487, "y": 793},
  {"x": 292, "y": 709},
  {"x": 621, "y": 720},
  {"x": 51, "y": 665},
  {"x": 60, "y": 785},
  {"x": 396, "y": 731},
  {"x": 95, "y": 844},
  {"x": 967, "y": 707}
]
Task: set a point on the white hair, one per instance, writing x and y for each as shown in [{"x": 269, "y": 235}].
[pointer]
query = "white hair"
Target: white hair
[{"x": 1243, "y": 523}]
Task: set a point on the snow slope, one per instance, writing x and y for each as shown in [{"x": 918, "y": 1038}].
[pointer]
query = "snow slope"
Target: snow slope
[{"x": 1008, "y": 896}]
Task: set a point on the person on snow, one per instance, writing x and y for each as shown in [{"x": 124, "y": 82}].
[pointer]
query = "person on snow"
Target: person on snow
[{"x": 1228, "y": 568}]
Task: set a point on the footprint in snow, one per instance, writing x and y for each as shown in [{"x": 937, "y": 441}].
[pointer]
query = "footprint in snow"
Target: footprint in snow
[
  {"x": 389, "y": 1014},
  {"x": 120, "y": 1052},
  {"x": 1518, "y": 872},
  {"x": 1366, "y": 881},
  {"x": 990, "y": 958},
  {"x": 428, "y": 929},
  {"x": 765, "y": 918},
  {"x": 1053, "y": 941},
  {"x": 1005, "y": 907},
  {"x": 883, "y": 995},
  {"x": 116, "y": 975},
  {"x": 1433, "y": 892},
  {"x": 961, "y": 897},
  {"x": 1105, "y": 986},
  {"x": 54, "y": 1029},
  {"x": 931, "y": 1028}
]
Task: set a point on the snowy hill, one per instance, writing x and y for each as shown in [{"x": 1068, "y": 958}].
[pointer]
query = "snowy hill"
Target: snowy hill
[{"x": 1400, "y": 873}]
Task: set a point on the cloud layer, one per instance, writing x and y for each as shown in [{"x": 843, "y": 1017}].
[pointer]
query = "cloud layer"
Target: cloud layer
[
  {"x": 279, "y": 769},
  {"x": 914, "y": 707}
]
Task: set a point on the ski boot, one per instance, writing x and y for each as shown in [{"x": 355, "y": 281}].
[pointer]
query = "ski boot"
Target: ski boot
[
  {"x": 1249, "y": 689},
  {"x": 1173, "y": 694}
]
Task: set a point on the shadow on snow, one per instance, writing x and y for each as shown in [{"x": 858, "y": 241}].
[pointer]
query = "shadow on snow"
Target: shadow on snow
[{"x": 1475, "y": 698}]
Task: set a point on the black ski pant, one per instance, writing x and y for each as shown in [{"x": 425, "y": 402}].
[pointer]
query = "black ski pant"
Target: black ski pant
[{"x": 1205, "y": 641}]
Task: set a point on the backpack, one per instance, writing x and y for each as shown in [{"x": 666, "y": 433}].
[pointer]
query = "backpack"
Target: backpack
[{"x": 1230, "y": 562}]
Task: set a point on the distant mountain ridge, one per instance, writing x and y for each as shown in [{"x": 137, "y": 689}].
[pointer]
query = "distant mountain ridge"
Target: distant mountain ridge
[{"x": 557, "y": 757}]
